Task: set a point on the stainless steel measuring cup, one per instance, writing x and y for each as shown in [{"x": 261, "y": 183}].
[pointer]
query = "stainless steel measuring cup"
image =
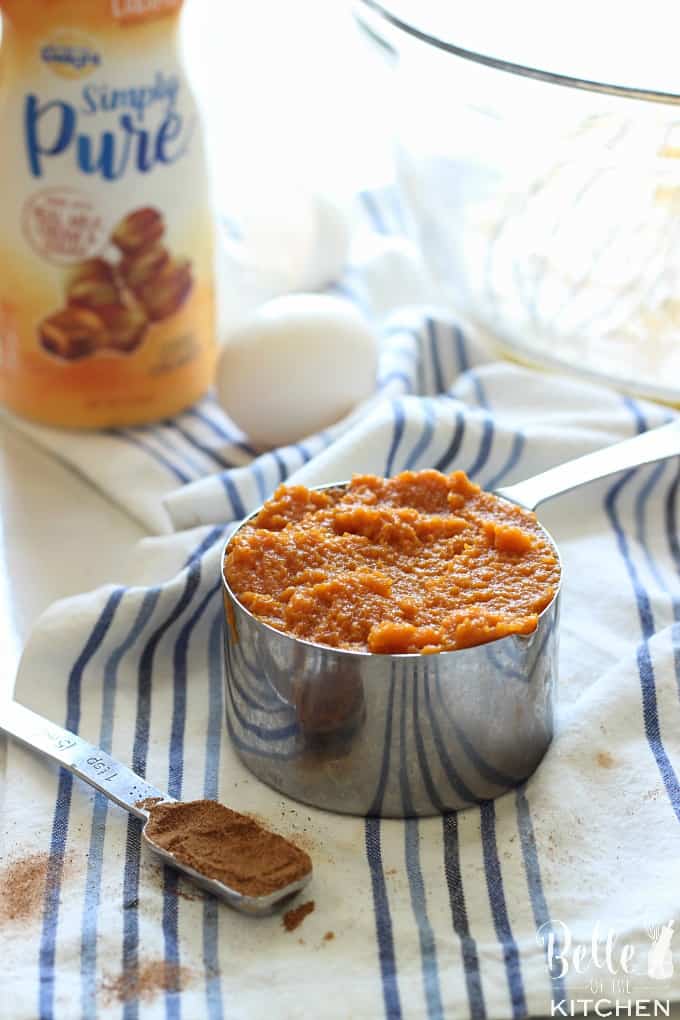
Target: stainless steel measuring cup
[
  {"x": 121, "y": 785},
  {"x": 406, "y": 735}
]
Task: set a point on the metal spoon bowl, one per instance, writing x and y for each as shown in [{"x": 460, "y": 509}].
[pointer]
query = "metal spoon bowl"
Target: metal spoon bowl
[
  {"x": 406, "y": 735},
  {"x": 121, "y": 785}
]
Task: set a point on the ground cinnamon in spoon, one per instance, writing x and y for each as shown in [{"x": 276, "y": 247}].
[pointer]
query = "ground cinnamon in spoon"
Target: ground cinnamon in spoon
[{"x": 227, "y": 846}]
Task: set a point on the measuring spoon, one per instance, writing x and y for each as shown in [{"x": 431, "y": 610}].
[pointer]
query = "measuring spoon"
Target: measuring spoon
[{"x": 121, "y": 785}]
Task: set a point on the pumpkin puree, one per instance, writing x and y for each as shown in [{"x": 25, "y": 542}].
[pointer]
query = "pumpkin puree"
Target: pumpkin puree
[{"x": 422, "y": 562}]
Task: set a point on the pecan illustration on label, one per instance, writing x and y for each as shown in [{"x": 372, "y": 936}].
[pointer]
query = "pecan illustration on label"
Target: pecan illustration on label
[
  {"x": 92, "y": 293},
  {"x": 109, "y": 305},
  {"x": 126, "y": 323},
  {"x": 140, "y": 229},
  {"x": 73, "y": 333},
  {"x": 140, "y": 268},
  {"x": 93, "y": 269},
  {"x": 167, "y": 290}
]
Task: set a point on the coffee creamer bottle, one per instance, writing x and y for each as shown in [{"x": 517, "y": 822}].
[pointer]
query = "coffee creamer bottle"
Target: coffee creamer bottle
[{"x": 106, "y": 238}]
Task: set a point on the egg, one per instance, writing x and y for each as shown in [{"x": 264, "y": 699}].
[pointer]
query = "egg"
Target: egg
[{"x": 297, "y": 365}]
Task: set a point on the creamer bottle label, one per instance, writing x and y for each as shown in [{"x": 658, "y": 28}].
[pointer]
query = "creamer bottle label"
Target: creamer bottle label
[{"x": 106, "y": 262}]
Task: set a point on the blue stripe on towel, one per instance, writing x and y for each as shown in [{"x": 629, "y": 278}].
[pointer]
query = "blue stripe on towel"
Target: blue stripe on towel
[
  {"x": 206, "y": 543},
  {"x": 179, "y": 706},
  {"x": 461, "y": 350},
  {"x": 451, "y": 451},
  {"x": 478, "y": 387},
  {"x": 650, "y": 710},
  {"x": 428, "y": 947},
  {"x": 514, "y": 457},
  {"x": 211, "y": 908},
  {"x": 381, "y": 905},
  {"x": 281, "y": 465},
  {"x": 213, "y": 740},
  {"x": 499, "y": 910},
  {"x": 290, "y": 458},
  {"x": 264, "y": 490},
  {"x": 420, "y": 360},
  {"x": 459, "y": 918},
  {"x": 208, "y": 451},
  {"x": 654, "y": 477},
  {"x": 641, "y": 499},
  {"x": 434, "y": 355},
  {"x": 170, "y": 922},
  {"x": 484, "y": 448},
  {"x": 93, "y": 881},
  {"x": 234, "y": 496},
  {"x": 374, "y": 212},
  {"x": 532, "y": 868},
  {"x": 383, "y": 920},
  {"x": 164, "y": 435},
  {"x": 425, "y": 438},
  {"x": 130, "y": 957},
  {"x": 398, "y": 431},
  {"x": 671, "y": 520},
  {"x": 220, "y": 430},
  {"x": 60, "y": 823},
  {"x": 156, "y": 455},
  {"x": 170, "y": 928}
]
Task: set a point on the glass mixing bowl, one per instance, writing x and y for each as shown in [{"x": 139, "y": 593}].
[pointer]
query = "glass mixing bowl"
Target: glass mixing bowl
[{"x": 538, "y": 153}]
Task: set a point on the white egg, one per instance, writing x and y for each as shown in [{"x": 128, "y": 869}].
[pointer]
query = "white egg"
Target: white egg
[{"x": 299, "y": 364}]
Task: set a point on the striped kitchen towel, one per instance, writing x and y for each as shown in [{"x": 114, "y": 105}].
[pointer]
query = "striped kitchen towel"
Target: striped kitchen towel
[{"x": 565, "y": 890}]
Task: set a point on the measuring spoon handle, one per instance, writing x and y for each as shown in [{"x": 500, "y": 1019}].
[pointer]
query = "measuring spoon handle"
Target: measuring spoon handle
[
  {"x": 119, "y": 783},
  {"x": 648, "y": 447}
]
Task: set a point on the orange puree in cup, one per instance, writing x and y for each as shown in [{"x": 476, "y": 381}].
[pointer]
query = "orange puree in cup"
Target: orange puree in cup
[{"x": 423, "y": 562}]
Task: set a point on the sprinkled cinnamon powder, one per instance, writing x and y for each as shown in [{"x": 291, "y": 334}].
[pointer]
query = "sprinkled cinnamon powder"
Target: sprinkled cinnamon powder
[
  {"x": 292, "y": 919},
  {"x": 228, "y": 846},
  {"x": 23, "y": 884},
  {"x": 152, "y": 977},
  {"x": 328, "y": 936}
]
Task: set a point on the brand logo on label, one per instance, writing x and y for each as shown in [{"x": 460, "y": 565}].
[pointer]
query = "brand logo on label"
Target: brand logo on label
[
  {"x": 109, "y": 131},
  {"x": 70, "y": 55},
  {"x": 141, "y": 10}
]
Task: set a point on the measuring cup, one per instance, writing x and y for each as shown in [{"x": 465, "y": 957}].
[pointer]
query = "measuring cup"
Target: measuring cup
[{"x": 406, "y": 735}]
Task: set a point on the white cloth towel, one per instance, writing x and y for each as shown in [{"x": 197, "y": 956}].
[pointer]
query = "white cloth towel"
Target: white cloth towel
[{"x": 430, "y": 918}]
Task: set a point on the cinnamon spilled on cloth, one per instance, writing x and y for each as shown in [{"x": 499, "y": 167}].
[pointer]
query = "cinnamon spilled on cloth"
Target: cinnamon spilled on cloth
[
  {"x": 292, "y": 919},
  {"x": 226, "y": 845},
  {"x": 152, "y": 977},
  {"x": 22, "y": 887}
]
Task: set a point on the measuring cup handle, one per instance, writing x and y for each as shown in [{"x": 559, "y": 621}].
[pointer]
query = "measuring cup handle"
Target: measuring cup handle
[
  {"x": 657, "y": 444},
  {"x": 90, "y": 763}
]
